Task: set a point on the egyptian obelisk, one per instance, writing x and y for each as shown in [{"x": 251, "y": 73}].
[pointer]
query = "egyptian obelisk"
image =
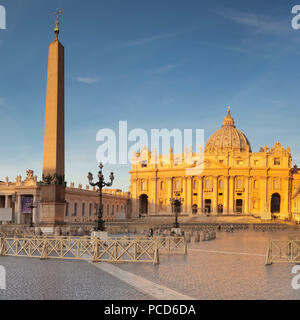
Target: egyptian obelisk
[{"x": 53, "y": 184}]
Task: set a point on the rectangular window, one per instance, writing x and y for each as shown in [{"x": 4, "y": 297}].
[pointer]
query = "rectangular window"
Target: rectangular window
[
  {"x": 144, "y": 163},
  {"x": 276, "y": 161},
  {"x": 75, "y": 209},
  {"x": 90, "y": 210},
  {"x": 96, "y": 209},
  {"x": 67, "y": 209},
  {"x": 83, "y": 209},
  {"x": 112, "y": 209},
  {"x": 107, "y": 209}
]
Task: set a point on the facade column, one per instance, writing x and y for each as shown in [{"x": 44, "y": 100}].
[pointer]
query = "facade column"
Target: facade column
[
  {"x": 231, "y": 194},
  {"x": 246, "y": 195},
  {"x": 189, "y": 194},
  {"x": 153, "y": 195},
  {"x": 34, "y": 210},
  {"x": 264, "y": 203},
  {"x": 284, "y": 206},
  {"x": 185, "y": 194},
  {"x": 200, "y": 195},
  {"x": 6, "y": 202},
  {"x": 225, "y": 195},
  {"x": 19, "y": 209},
  {"x": 170, "y": 194},
  {"x": 215, "y": 195},
  {"x": 134, "y": 199}
]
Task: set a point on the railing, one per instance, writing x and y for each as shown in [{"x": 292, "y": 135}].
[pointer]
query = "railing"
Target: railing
[
  {"x": 269, "y": 226},
  {"x": 115, "y": 250},
  {"x": 167, "y": 245},
  {"x": 283, "y": 251},
  {"x": 111, "y": 250}
]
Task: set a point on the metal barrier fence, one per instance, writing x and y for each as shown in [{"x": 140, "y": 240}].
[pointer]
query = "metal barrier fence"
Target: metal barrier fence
[
  {"x": 283, "y": 251},
  {"x": 115, "y": 250},
  {"x": 270, "y": 227},
  {"x": 165, "y": 245}
]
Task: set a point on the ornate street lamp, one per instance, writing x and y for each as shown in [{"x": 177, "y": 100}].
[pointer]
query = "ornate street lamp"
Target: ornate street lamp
[
  {"x": 176, "y": 203},
  {"x": 100, "y": 184},
  {"x": 33, "y": 206}
]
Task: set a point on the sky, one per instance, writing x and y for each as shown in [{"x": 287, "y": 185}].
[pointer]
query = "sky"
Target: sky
[{"x": 157, "y": 64}]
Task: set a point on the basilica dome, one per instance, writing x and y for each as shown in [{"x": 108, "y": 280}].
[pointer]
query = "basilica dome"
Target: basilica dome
[{"x": 227, "y": 138}]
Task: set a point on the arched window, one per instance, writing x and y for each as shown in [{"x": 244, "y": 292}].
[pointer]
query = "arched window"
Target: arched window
[
  {"x": 144, "y": 185},
  {"x": 177, "y": 184},
  {"x": 255, "y": 184},
  {"x": 161, "y": 185},
  {"x": 221, "y": 184},
  {"x": 195, "y": 184},
  {"x": 276, "y": 184},
  {"x": 207, "y": 183},
  {"x": 239, "y": 183}
]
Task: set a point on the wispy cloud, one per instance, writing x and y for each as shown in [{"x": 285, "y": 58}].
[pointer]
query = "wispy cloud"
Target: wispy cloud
[
  {"x": 257, "y": 23},
  {"x": 166, "y": 68},
  {"x": 262, "y": 34},
  {"x": 87, "y": 80},
  {"x": 149, "y": 40}
]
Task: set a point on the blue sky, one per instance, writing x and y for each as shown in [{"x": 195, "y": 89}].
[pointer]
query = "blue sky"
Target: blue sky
[{"x": 157, "y": 64}]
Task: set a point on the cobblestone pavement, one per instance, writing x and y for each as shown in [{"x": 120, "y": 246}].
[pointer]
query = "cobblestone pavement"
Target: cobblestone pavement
[
  {"x": 34, "y": 279},
  {"x": 238, "y": 272},
  {"x": 230, "y": 267}
]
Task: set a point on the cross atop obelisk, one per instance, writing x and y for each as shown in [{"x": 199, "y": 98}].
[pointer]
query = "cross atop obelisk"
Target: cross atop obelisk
[{"x": 56, "y": 30}]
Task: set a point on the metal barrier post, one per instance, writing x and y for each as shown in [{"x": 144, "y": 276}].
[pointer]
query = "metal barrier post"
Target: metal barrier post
[
  {"x": 269, "y": 254},
  {"x": 95, "y": 249},
  {"x": 45, "y": 250},
  {"x": 156, "y": 254},
  {"x": 2, "y": 247}
]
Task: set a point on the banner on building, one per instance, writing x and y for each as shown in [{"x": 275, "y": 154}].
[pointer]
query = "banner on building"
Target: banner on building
[{"x": 26, "y": 202}]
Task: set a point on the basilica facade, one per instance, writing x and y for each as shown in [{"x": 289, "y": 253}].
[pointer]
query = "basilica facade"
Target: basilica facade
[{"x": 233, "y": 179}]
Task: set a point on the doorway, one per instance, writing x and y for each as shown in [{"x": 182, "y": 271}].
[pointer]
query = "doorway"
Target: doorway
[
  {"x": 275, "y": 203},
  {"x": 195, "y": 209},
  {"x": 220, "y": 208},
  {"x": 207, "y": 205},
  {"x": 239, "y": 206},
  {"x": 143, "y": 204}
]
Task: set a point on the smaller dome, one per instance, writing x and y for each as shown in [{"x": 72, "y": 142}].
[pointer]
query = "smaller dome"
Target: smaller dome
[{"x": 228, "y": 137}]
